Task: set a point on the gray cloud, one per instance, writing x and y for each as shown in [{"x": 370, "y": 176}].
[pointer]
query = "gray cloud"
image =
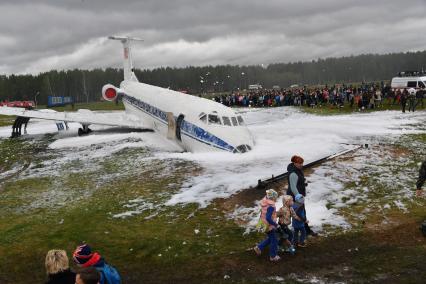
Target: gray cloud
[{"x": 37, "y": 36}]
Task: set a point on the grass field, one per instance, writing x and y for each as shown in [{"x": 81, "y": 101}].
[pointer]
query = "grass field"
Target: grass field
[
  {"x": 331, "y": 110},
  {"x": 85, "y": 200}
]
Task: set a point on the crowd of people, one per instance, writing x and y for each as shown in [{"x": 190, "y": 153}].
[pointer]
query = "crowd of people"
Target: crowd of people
[
  {"x": 366, "y": 96},
  {"x": 91, "y": 268}
]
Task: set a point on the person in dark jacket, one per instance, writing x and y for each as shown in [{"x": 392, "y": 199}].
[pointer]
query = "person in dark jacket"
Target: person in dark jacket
[
  {"x": 87, "y": 275},
  {"x": 419, "y": 95},
  {"x": 404, "y": 97},
  {"x": 297, "y": 184},
  {"x": 57, "y": 268},
  {"x": 421, "y": 180}
]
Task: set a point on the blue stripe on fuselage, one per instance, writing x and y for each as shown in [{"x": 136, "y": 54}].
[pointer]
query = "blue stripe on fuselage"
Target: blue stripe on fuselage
[{"x": 187, "y": 128}]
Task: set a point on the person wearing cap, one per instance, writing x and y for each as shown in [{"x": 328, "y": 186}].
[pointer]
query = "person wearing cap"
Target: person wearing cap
[
  {"x": 421, "y": 180},
  {"x": 84, "y": 258},
  {"x": 299, "y": 222},
  {"x": 297, "y": 184},
  {"x": 268, "y": 216}
]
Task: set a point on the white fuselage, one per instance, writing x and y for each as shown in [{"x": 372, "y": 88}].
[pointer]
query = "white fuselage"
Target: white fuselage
[{"x": 195, "y": 124}]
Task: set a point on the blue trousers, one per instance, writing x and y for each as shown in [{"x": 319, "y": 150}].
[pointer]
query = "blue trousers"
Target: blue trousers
[
  {"x": 302, "y": 235},
  {"x": 272, "y": 242}
]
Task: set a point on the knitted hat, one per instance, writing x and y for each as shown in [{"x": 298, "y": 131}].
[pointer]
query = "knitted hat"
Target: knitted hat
[
  {"x": 84, "y": 257},
  {"x": 271, "y": 194},
  {"x": 297, "y": 159},
  {"x": 299, "y": 198}
]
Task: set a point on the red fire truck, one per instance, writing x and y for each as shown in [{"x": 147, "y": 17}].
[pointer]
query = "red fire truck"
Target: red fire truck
[{"x": 23, "y": 104}]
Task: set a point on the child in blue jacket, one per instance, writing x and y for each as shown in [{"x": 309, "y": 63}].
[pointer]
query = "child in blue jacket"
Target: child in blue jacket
[{"x": 299, "y": 225}]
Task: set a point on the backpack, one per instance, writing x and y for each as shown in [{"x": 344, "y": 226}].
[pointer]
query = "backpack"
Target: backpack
[
  {"x": 261, "y": 227},
  {"x": 109, "y": 274}
]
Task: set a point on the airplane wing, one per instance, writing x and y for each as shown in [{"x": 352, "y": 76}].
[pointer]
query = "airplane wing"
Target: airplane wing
[{"x": 83, "y": 116}]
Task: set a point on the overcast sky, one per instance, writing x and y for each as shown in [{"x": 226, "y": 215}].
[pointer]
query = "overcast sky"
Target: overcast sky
[{"x": 40, "y": 35}]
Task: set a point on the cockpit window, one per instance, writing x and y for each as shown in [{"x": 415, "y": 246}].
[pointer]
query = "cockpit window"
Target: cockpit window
[
  {"x": 226, "y": 121},
  {"x": 421, "y": 84},
  {"x": 234, "y": 121},
  {"x": 203, "y": 117},
  {"x": 214, "y": 119},
  {"x": 240, "y": 120}
]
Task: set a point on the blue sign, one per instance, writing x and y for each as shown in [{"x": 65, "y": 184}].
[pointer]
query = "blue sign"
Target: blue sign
[{"x": 58, "y": 101}]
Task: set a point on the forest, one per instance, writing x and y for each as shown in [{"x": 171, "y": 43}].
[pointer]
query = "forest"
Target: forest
[{"x": 86, "y": 85}]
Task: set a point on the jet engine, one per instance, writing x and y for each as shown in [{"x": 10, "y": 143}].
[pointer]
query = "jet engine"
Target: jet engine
[{"x": 110, "y": 93}]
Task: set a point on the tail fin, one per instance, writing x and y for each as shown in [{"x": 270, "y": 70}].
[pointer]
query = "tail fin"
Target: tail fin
[{"x": 127, "y": 60}]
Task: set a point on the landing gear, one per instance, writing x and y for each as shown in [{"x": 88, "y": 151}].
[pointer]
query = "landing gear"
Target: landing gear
[
  {"x": 17, "y": 126},
  {"x": 84, "y": 131}
]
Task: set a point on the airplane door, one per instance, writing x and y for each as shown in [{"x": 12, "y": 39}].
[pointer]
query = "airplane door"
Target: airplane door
[
  {"x": 171, "y": 131},
  {"x": 179, "y": 121}
]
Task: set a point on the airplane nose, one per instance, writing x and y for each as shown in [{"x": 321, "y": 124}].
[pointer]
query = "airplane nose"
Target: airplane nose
[{"x": 242, "y": 148}]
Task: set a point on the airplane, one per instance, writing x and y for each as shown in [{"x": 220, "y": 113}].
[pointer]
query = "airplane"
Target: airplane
[{"x": 195, "y": 124}]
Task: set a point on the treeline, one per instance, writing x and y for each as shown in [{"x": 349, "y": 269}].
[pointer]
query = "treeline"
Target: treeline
[{"x": 86, "y": 85}]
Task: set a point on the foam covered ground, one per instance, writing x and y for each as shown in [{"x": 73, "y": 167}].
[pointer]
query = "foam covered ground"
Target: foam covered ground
[{"x": 279, "y": 133}]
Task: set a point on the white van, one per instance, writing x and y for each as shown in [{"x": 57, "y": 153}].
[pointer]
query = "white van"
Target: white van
[
  {"x": 255, "y": 87},
  {"x": 409, "y": 79}
]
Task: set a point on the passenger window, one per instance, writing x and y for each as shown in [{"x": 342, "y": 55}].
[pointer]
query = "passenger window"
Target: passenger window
[
  {"x": 234, "y": 121},
  {"x": 421, "y": 84},
  {"x": 214, "y": 119},
  {"x": 226, "y": 120},
  {"x": 411, "y": 84},
  {"x": 203, "y": 117},
  {"x": 240, "y": 120}
]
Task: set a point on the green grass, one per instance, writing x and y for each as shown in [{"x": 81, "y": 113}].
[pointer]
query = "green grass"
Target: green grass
[
  {"x": 135, "y": 245},
  {"x": 6, "y": 120},
  {"x": 160, "y": 245},
  {"x": 333, "y": 110},
  {"x": 17, "y": 153}
]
